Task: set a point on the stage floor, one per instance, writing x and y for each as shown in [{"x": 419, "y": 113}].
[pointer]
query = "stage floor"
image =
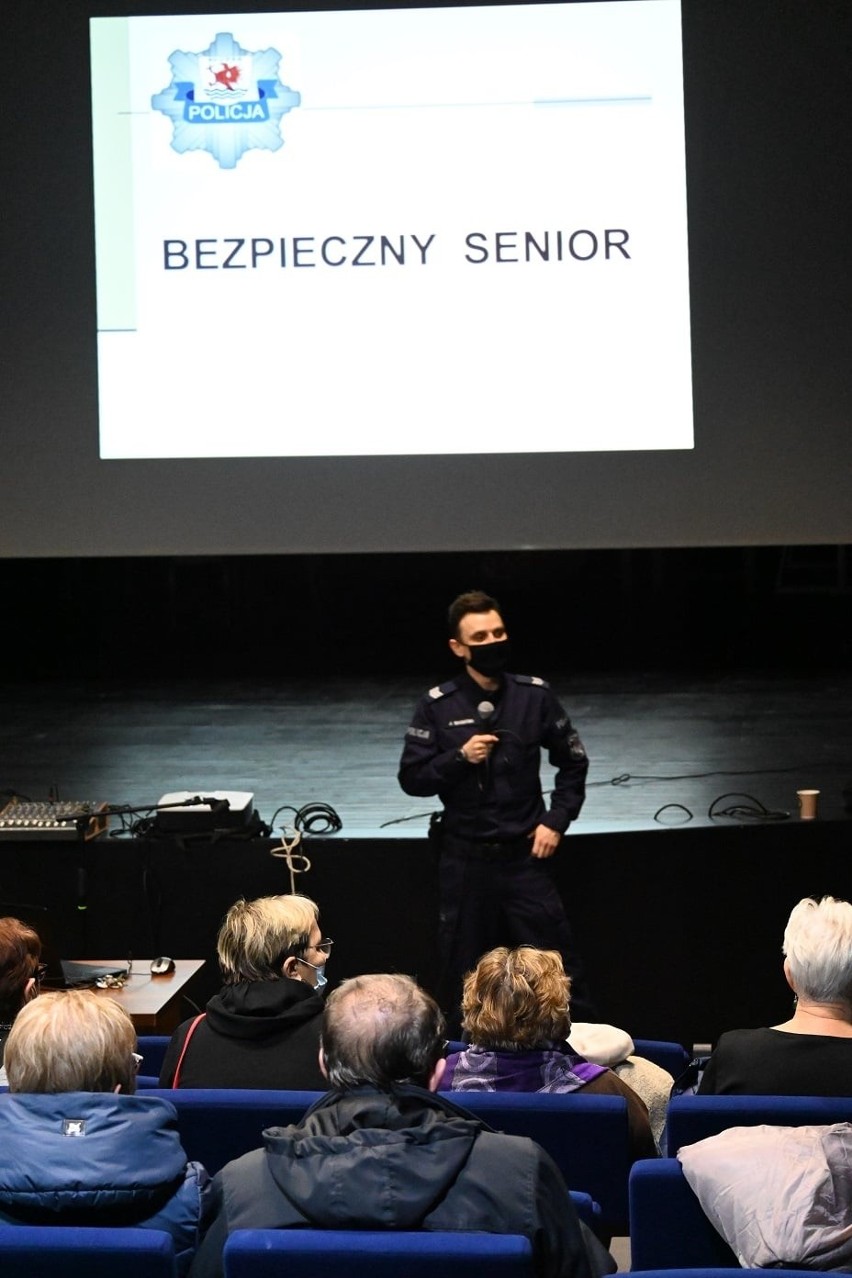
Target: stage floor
[{"x": 663, "y": 750}]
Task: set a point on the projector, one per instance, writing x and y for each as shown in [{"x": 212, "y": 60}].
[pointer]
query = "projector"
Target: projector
[{"x": 204, "y": 811}]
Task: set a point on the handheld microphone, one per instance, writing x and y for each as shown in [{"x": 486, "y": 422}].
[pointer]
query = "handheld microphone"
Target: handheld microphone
[{"x": 485, "y": 710}]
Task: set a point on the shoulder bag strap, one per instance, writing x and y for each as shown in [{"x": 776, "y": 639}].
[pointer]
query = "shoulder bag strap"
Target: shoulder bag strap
[{"x": 189, "y": 1033}]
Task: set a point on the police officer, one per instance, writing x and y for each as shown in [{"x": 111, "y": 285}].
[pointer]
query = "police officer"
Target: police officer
[{"x": 476, "y": 742}]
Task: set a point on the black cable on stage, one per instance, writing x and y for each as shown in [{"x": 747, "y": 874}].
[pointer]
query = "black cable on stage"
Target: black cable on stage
[
  {"x": 313, "y": 818},
  {"x": 623, "y": 778},
  {"x": 754, "y": 810},
  {"x": 418, "y": 816},
  {"x": 680, "y": 807}
]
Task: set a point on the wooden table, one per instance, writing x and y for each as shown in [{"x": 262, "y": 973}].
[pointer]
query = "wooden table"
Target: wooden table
[{"x": 153, "y": 1002}]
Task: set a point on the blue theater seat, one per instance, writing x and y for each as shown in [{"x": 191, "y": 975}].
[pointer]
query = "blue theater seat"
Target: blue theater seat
[
  {"x": 668, "y": 1228},
  {"x": 586, "y": 1136},
  {"x": 30, "y": 1251},
  {"x": 152, "y": 1049},
  {"x": 692, "y": 1118},
  {"x": 217, "y": 1125},
  {"x": 669, "y": 1056},
  {"x": 329, "y": 1253}
]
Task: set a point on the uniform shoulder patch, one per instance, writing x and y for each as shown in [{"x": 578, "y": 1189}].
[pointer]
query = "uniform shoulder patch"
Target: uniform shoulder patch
[
  {"x": 441, "y": 690},
  {"x": 420, "y": 734},
  {"x": 533, "y": 679}
]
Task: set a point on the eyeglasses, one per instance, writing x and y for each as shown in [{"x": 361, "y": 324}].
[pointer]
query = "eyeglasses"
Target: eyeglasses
[
  {"x": 137, "y": 1061},
  {"x": 40, "y": 973},
  {"x": 324, "y": 947}
]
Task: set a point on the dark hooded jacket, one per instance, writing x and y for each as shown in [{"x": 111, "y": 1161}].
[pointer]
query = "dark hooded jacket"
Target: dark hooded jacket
[
  {"x": 97, "y": 1158},
  {"x": 255, "y": 1034},
  {"x": 402, "y": 1159}
]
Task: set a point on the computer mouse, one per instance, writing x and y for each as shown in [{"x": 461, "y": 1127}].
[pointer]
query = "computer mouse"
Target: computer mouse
[{"x": 162, "y": 966}]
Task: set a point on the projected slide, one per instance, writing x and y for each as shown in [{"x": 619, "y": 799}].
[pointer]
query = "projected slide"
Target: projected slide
[{"x": 386, "y": 232}]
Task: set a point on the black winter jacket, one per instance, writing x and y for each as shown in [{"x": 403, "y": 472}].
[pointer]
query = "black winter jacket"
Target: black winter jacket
[{"x": 401, "y": 1159}]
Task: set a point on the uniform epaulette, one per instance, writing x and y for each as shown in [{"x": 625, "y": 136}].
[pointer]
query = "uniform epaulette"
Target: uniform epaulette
[
  {"x": 441, "y": 690},
  {"x": 533, "y": 679}
]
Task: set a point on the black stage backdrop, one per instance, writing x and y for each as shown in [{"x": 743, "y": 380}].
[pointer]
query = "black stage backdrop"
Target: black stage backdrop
[{"x": 645, "y": 909}]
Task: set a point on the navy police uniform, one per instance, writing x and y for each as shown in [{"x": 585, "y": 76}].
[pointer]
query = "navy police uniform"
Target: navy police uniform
[{"x": 492, "y": 890}]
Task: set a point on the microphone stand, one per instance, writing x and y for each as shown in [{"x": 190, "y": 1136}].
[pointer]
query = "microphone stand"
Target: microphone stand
[{"x": 84, "y": 815}]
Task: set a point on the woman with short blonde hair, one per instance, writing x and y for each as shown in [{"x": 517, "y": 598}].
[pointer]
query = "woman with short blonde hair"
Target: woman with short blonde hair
[
  {"x": 257, "y": 936},
  {"x": 79, "y": 1148},
  {"x": 263, "y": 1027},
  {"x": 72, "y": 1041}
]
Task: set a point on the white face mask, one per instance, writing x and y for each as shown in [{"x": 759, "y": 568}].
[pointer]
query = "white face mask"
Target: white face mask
[{"x": 322, "y": 979}]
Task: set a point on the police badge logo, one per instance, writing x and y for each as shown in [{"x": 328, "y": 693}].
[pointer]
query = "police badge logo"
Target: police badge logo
[{"x": 226, "y": 100}]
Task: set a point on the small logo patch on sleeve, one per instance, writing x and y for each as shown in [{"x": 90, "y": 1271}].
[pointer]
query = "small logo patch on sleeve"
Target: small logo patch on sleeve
[{"x": 420, "y": 734}]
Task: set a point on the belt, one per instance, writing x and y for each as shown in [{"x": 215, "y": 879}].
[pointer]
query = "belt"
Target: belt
[{"x": 489, "y": 849}]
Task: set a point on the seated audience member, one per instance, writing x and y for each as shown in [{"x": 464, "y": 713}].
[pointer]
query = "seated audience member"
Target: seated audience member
[
  {"x": 603, "y": 1044},
  {"x": 20, "y": 971},
  {"x": 263, "y": 1027},
  {"x": 383, "y": 1151},
  {"x": 516, "y": 1018},
  {"x": 79, "y": 1148},
  {"x": 811, "y": 1053}
]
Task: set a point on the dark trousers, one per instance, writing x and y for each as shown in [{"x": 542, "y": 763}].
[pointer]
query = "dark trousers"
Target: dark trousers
[{"x": 497, "y": 894}]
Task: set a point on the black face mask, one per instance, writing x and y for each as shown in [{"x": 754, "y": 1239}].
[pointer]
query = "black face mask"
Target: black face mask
[{"x": 490, "y": 659}]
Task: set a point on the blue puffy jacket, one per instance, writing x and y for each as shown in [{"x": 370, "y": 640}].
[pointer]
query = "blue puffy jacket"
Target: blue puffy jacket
[{"x": 85, "y": 1158}]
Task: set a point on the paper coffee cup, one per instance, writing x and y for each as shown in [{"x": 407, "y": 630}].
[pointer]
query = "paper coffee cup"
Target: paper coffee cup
[{"x": 807, "y": 804}]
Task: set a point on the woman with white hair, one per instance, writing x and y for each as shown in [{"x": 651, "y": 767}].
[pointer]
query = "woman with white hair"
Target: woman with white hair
[
  {"x": 811, "y": 1053},
  {"x": 79, "y": 1148},
  {"x": 263, "y": 1027}
]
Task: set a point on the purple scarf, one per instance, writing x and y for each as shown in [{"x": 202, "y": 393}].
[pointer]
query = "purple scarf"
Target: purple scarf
[{"x": 554, "y": 1069}]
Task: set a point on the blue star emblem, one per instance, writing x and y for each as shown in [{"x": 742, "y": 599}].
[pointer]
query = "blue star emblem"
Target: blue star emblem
[{"x": 226, "y": 100}]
